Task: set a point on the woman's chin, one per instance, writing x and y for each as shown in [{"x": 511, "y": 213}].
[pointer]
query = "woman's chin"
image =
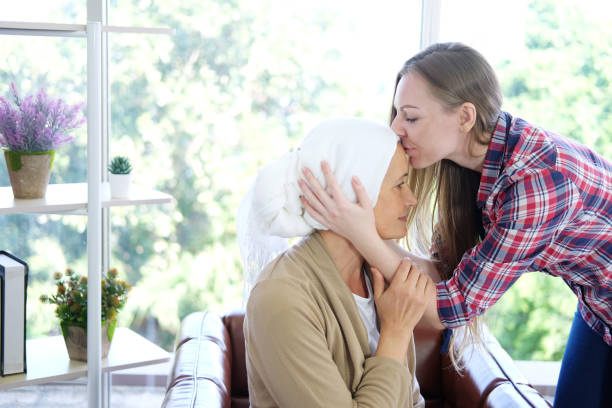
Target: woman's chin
[
  {"x": 418, "y": 163},
  {"x": 399, "y": 234}
]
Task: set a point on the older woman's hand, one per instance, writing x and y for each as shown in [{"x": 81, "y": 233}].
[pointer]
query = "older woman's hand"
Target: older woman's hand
[{"x": 400, "y": 306}]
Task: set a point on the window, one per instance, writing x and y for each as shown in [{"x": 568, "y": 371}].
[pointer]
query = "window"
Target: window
[
  {"x": 236, "y": 86},
  {"x": 200, "y": 111},
  {"x": 550, "y": 57},
  {"x": 57, "y": 11},
  {"x": 49, "y": 243}
]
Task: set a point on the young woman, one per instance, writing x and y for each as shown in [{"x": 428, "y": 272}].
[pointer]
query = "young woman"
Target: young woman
[
  {"x": 311, "y": 329},
  {"x": 511, "y": 198}
]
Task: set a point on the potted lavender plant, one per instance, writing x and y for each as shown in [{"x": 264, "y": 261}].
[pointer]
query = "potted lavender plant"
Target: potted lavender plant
[{"x": 30, "y": 130}]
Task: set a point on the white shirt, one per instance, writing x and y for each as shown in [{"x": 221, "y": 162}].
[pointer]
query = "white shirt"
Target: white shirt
[{"x": 367, "y": 310}]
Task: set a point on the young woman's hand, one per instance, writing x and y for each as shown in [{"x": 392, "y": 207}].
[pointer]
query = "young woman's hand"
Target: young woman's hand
[
  {"x": 354, "y": 221},
  {"x": 400, "y": 306}
]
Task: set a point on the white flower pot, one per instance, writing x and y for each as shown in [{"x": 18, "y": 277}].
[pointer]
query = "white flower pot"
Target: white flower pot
[{"x": 120, "y": 185}]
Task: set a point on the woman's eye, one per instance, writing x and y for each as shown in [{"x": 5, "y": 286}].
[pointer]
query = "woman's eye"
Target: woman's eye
[
  {"x": 400, "y": 185},
  {"x": 411, "y": 120}
]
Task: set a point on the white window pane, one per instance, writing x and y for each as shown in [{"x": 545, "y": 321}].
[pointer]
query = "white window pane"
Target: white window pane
[
  {"x": 54, "y": 11},
  {"x": 199, "y": 111},
  {"x": 552, "y": 59}
]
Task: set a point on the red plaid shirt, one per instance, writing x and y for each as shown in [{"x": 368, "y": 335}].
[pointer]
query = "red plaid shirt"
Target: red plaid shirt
[{"x": 547, "y": 206}]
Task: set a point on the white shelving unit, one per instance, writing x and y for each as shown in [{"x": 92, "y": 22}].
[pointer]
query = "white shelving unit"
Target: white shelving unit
[
  {"x": 88, "y": 199},
  {"x": 72, "y": 199},
  {"x": 50, "y": 361}
]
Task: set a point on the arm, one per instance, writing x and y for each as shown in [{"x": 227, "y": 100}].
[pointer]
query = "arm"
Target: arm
[
  {"x": 425, "y": 265},
  {"x": 529, "y": 215},
  {"x": 286, "y": 342},
  {"x": 355, "y": 221}
]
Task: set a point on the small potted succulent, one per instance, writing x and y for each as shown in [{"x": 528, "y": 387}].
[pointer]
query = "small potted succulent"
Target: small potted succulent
[
  {"x": 71, "y": 308},
  {"x": 120, "y": 170},
  {"x": 31, "y": 129}
]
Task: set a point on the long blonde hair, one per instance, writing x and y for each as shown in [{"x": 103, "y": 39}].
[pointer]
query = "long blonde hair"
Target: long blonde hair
[{"x": 446, "y": 192}]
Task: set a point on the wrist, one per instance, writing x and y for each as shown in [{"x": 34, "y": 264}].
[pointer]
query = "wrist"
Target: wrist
[{"x": 393, "y": 343}]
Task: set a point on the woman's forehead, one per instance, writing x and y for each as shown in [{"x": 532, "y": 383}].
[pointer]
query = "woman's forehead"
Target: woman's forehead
[
  {"x": 399, "y": 164},
  {"x": 412, "y": 91}
]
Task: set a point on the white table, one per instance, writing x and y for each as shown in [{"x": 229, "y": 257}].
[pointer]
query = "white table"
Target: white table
[{"x": 47, "y": 360}]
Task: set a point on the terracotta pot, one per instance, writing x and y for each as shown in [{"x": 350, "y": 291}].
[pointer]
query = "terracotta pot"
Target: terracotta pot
[
  {"x": 29, "y": 172},
  {"x": 75, "y": 338}
]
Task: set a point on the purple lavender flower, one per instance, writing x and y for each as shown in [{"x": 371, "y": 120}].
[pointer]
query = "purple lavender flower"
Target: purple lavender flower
[{"x": 37, "y": 122}]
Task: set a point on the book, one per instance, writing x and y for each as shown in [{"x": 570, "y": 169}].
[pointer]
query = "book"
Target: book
[{"x": 13, "y": 290}]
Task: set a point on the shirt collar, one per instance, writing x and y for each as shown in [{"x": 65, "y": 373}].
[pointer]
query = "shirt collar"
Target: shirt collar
[{"x": 494, "y": 158}]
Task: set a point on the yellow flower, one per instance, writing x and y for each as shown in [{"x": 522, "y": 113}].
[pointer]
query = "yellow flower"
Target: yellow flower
[
  {"x": 115, "y": 301},
  {"x": 57, "y": 276},
  {"x": 112, "y": 273},
  {"x": 83, "y": 280},
  {"x": 61, "y": 289}
]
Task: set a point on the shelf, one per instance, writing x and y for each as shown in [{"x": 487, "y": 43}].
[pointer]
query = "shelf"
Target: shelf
[
  {"x": 47, "y": 359},
  {"x": 71, "y": 30},
  {"x": 72, "y": 199},
  {"x": 42, "y": 29}
]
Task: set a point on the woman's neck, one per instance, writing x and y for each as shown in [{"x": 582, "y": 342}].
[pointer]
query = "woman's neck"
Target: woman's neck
[
  {"x": 472, "y": 154},
  {"x": 348, "y": 261}
]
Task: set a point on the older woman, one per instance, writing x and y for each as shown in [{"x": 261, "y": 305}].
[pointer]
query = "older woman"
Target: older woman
[{"x": 321, "y": 329}]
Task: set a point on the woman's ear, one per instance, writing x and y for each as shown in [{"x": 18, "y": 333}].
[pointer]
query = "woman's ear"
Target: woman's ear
[{"x": 467, "y": 116}]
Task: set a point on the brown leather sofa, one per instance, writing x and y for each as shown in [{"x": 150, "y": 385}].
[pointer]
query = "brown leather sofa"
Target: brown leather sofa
[{"x": 209, "y": 370}]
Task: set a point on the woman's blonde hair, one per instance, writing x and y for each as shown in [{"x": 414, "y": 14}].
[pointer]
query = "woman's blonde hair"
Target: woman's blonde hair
[{"x": 446, "y": 192}]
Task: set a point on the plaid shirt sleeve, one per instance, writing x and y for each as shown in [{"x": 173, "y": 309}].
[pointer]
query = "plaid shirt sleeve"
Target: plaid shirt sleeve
[{"x": 524, "y": 219}]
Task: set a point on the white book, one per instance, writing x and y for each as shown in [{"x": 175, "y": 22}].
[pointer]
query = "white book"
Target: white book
[{"x": 13, "y": 276}]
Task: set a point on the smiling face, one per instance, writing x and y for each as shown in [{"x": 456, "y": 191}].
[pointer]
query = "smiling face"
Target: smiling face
[
  {"x": 394, "y": 198},
  {"x": 428, "y": 130}
]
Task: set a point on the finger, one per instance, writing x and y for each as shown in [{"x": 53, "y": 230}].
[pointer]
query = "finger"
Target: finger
[
  {"x": 421, "y": 284},
  {"x": 312, "y": 200},
  {"x": 332, "y": 183},
  {"x": 378, "y": 282},
  {"x": 362, "y": 195},
  {"x": 313, "y": 212},
  {"x": 319, "y": 191},
  {"x": 413, "y": 275},
  {"x": 401, "y": 273}
]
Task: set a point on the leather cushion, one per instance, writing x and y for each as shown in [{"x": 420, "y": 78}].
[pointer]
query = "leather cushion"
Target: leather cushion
[
  {"x": 233, "y": 322},
  {"x": 202, "y": 363}
]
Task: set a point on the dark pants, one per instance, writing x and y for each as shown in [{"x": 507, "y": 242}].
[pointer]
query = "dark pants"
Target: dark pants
[{"x": 585, "y": 379}]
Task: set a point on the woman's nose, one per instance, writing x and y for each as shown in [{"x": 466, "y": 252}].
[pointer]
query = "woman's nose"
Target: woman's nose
[
  {"x": 395, "y": 125},
  {"x": 410, "y": 199}
]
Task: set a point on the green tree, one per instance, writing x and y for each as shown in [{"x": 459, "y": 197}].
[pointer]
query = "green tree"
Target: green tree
[{"x": 563, "y": 85}]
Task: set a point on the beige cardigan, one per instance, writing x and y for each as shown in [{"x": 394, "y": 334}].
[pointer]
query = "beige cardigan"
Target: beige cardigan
[{"x": 306, "y": 343}]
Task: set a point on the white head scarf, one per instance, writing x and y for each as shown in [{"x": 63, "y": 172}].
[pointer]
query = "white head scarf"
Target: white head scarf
[{"x": 272, "y": 210}]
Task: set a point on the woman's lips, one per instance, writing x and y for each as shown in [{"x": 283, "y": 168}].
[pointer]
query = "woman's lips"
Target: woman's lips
[{"x": 404, "y": 219}]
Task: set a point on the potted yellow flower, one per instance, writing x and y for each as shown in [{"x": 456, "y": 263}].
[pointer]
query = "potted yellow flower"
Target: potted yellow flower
[
  {"x": 71, "y": 301},
  {"x": 31, "y": 129}
]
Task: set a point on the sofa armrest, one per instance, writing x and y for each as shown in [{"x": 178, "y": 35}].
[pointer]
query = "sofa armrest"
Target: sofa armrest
[
  {"x": 201, "y": 372},
  {"x": 489, "y": 379}
]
